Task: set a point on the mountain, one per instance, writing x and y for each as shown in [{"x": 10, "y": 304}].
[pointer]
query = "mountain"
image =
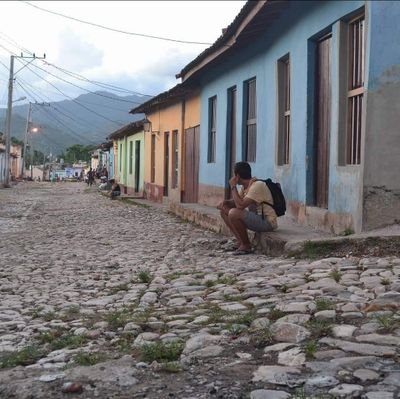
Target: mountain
[{"x": 87, "y": 119}]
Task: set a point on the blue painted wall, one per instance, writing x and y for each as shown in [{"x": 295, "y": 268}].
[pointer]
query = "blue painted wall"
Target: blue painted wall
[
  {"x": 381, "y": 196},
  {"x": 291, "y": 33}
]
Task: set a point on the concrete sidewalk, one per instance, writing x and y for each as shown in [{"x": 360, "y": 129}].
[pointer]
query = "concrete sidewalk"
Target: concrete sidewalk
[{"x": 289, "y": 238}]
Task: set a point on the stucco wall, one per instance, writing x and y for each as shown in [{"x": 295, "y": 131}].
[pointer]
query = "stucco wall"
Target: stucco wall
[
  {"x": 165, "y": 120},
  {"x": 290, "y": 33},
  {"x": 382, "y": 134}
]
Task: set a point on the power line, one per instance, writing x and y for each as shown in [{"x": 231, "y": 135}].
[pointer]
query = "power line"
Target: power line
[
  {"x": 78, "y": 121},
  {"x": 11, "y": 41},
  {"x": 72, "y": 99},
  {"x": 88, "y": 91},
  {"x": 113, "y": 29},
  {"x": 100, "y": 84},
  {"x": 80, "y": 77}
]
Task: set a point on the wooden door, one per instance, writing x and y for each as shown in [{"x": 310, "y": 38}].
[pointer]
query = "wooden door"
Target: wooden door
[
  {"x": 191, "y": 193},
  {"x": 322, "y": 121},
  {"x": 230, "y": 140},
  {"x": 166, "y": 163},
  {"x": 137, "y": 166}
]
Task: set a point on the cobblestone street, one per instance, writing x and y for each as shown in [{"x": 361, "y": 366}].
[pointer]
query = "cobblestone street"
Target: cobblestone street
[{"x": 108, "y": 299}]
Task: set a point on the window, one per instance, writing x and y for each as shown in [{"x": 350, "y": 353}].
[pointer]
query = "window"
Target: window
[
  {"x": 250, "y": 139},
  {"x": 175, "y": 158},
  {"x": 355, "y": 91},
  {"x": 130, "y": 157},
  {"x": 153, "y": 158},
  {"x": 212, "y": 130},
  {"x": 284, "y": 110}
]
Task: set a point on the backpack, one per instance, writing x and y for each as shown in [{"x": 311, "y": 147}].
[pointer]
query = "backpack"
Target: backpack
[{"x": 278, "y": 197}]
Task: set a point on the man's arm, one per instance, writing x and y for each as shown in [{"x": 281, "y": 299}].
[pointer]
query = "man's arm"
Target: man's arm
[{"x": 241, "y": 203}]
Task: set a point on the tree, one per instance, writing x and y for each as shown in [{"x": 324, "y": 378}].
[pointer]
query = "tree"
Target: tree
[{"x": 77, "y": 152}]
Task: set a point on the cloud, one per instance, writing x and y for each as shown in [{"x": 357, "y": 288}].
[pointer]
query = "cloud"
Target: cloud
[{"x": 76, "y": 54}]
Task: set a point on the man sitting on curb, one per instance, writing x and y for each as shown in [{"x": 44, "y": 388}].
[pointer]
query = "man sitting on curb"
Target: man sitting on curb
[
  {"x": 248, "y": 208},
  {"x": 115, "y": 189}
]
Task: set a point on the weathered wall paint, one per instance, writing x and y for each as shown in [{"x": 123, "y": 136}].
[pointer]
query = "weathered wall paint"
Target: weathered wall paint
[
  {"x": 382, "y": 134},
  {"x": 291, "y": 34}
]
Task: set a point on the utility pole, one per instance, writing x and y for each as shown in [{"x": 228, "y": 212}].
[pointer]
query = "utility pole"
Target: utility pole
[
  {"x": 7, "y": 132},
  {"x": 28, "y": 126},
  {"x": 27, "y": 131}
]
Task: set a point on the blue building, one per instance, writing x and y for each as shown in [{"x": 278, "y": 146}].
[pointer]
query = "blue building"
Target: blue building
[{"x": 308, "y": 93}]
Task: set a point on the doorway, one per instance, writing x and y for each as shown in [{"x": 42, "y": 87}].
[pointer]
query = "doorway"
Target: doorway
[{"x": 322, "y": 121}]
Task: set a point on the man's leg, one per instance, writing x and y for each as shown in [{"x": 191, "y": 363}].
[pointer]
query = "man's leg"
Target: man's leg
[
  {"x": 224, "y": 214},
  {"x": 236, "y": 219}
]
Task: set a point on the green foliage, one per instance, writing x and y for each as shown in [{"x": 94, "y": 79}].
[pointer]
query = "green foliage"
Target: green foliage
[
  {"x": 388, "y": 322},
  {"x": 275, "y": 314},
  {"x": 23, "y": 357},
  {"x": 324, "y": 304},
  {"x": 261, "y": 338},
  {"x": 117, "y": 319},
  {"x": 171, "y": 367},
  {"x": 336, "y": 275},
  {"x": 89, "y": 359},
  {"x": 145, "y": 276},
  {"x": 56, "y": 339},
  {"x": 319, "y": 328},
  {"x": 161, "y": 352},
  {"x": 310, "y": 348},
  {"x": 16, "y": 141},
  {"x": 77, "y": 152}
]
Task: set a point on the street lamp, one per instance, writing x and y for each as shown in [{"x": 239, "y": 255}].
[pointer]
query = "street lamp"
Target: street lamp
[
  {"x": 19, "y": 99},
  {"x": 146, "y": 125}
]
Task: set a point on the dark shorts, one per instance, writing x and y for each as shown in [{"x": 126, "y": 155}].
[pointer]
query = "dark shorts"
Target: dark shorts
[
  {"x": 115, "y": 193},
  {"x": 255, "y": 222}
]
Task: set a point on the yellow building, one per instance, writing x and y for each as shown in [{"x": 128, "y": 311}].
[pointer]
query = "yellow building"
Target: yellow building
[{"x": 171, "y": 142}]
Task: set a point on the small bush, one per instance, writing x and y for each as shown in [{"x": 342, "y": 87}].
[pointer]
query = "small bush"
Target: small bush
[
  {"x": 23, "y": 357},
  {"x": 145, "y": 277},
  {"x": 161, "y": 352}
]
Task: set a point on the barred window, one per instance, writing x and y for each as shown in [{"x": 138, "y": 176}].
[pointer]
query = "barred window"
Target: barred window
[
  {"x": 251, "y": 121},
  {"x": 212, "y": 131},
  {"x": 355, "y": 91}
]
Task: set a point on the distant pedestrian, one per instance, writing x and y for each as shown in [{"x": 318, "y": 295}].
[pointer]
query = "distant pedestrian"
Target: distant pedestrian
[{"x": 90, "y": 176}]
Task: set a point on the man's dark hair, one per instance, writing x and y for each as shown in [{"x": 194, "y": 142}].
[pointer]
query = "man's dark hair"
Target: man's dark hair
[{"x": 243, "y": 169}]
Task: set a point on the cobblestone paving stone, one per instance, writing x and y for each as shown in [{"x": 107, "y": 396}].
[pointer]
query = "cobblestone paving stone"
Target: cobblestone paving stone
[{"x": 105, "y": 299}]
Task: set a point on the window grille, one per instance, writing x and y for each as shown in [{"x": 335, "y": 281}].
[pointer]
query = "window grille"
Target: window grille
[
  {"x": 355, "y": 91},
  {"x": 212, "y": 107}
]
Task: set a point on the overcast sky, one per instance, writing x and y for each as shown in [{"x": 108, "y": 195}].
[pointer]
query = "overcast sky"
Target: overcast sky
[{"x": 136, "y": 63}]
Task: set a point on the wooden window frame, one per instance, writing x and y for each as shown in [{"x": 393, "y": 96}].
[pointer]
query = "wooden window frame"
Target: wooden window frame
[
  {"x": 250, "y": 128},
  {"x": 355, "y": 88},
  {"x": 284, "y": 112},
  {"x": 212, "y": 129}
]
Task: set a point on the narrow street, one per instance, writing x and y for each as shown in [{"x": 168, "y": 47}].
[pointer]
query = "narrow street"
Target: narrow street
[{"x": 108, "y": 299}]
